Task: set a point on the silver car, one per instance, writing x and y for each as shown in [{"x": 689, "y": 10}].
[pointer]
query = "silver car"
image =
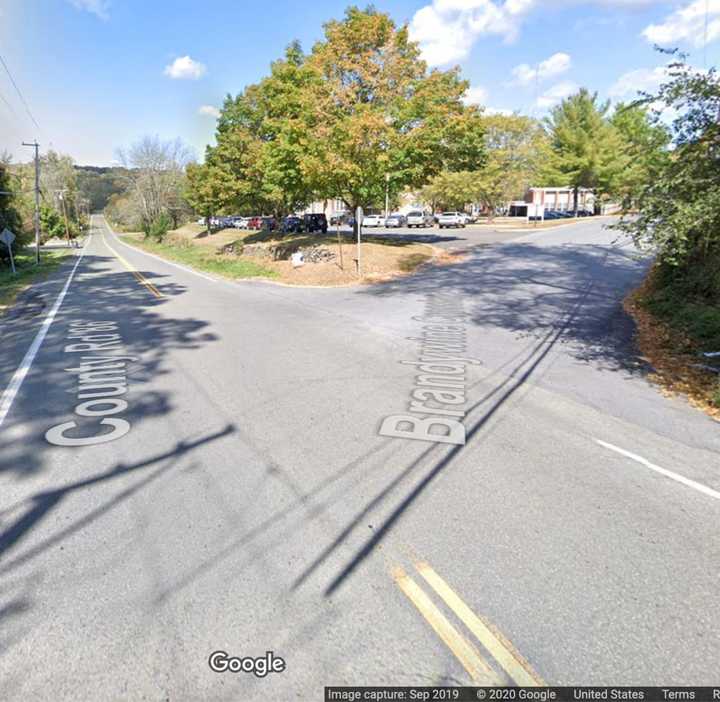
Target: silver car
[
  {"x": 452, "y": 219},
  {"x": 416, "y": 218},
  {"x": 395, "y": 220}
]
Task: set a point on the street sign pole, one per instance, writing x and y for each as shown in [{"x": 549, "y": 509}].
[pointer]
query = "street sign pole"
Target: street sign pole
[
  {"x": 12, "y": 260},
  {"x": 358, "y": 220},
  {"x": 7, "y": 237}
]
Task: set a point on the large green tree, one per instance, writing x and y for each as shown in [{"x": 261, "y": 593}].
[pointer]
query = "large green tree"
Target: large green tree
[
  {"x": 262, "y": 136},
  {"x": 679, "y": 206},
  {"x": 358, "y": 113},
  {"x": 515, "y": 148},
  {"x": 210, "y": 189},
  {"x": 378, "y": 111},
  {"x": 451, "y": 190},
  {"x": 645, "y": 150},
  {"x": 586, "y": 149},
  {"x": 9, "y": 212}
]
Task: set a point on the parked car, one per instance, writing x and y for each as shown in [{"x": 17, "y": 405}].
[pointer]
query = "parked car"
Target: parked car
[
  {"x": 292, "y": 224},
  {"x": 201, "y": 221},
  {"x": 417, "y": 218},
  {"x": 241, "y": 223},
  {"x": 255, "y": 223},
  {"x": 339, "y": 218},
  {"x": 395, "y": 220},
  {"x": 373, "y": 220},
  {"x": 451, "y": 219},
  {"x": 316, "y": 222},
  {"x": 268, "y": 223}
]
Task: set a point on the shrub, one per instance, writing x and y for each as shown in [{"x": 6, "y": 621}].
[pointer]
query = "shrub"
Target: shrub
[{"x": 157, "y": 228}]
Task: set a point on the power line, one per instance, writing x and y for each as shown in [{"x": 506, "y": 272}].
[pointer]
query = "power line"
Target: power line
[
  {"x": 12, "y": 110},
  {"x": 7, "y": 102},
  {"x": 15, "y": 85}
]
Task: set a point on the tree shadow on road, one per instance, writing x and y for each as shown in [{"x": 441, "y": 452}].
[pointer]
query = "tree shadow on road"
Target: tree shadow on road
[
  {"x": 49, "y": 394},
  {"x": 569, "y": 295},
  {"x": 40, "y": 505},
  {"x": 526, "y": 290}
]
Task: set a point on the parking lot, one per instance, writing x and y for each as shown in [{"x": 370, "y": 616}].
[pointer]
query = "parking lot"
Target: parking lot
[{"x": 451, "y": 239}]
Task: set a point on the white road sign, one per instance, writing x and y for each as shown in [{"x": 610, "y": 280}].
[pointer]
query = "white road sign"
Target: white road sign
[{"x": 7, "y": 237}]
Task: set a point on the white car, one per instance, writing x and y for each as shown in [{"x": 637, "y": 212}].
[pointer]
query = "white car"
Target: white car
[
  {"x": 241, "y": 223},
  {"x": 395, "y": 220},
  {"x": 451, "y": 219},
  {"x": 373, "y": 221}
]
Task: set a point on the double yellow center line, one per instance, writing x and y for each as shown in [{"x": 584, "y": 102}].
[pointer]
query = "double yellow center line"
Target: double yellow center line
[
  {"x": 138, "y": 276},
  {"x": 505, "y": 655}
]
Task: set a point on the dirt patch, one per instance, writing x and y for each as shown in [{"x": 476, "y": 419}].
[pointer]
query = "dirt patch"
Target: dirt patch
[
  {"x": 327, "y": 261},
  {"x": 672, "y": 354}
]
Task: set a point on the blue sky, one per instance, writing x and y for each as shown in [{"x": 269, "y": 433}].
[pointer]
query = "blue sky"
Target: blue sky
[{"x": 98, "y": 74}]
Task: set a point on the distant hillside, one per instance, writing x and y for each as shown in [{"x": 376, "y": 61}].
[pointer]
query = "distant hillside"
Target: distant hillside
[{"x": 99, "y": 183}]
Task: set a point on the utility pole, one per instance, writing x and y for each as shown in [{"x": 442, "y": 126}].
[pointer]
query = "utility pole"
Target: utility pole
[
  {"x": 37, "y": 200},
  {"x": 67, "y": 228}
]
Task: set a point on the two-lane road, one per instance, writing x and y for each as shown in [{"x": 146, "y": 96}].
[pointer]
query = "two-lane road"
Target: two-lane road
[{"x": 190, "y": 465}]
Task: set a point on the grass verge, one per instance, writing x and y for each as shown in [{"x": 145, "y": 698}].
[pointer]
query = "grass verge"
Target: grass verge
[
  {"x": 27, "y": 272},
  {"x": 201, "y": 258},
  {"x": 673, "y": 330},
  {"x": 247, "y": 254}
]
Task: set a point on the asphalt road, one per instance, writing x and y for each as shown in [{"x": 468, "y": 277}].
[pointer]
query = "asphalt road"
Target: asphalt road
[
  {"x": 449, "y": 238},
  {"x": 249, "y": 503}
]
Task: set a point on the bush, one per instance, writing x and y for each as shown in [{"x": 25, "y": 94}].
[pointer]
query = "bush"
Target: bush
[{"x": 157, "y": 228}]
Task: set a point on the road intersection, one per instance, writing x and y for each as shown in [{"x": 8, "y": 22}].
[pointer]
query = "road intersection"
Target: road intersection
[{"x": 253, "y": 505}]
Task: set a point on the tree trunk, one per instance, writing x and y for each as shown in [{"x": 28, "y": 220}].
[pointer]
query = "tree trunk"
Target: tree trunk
[
  {"x": 356, "y": 224},
  {"x": 576, "y": 193}
]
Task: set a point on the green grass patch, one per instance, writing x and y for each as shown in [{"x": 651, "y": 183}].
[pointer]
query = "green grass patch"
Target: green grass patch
[
  {"x": 27, "y": 272},
  {"x": 202, "y": 259},
  {"x": 688, "y": 302},
  {"x": 410, "y": 262},
  {"x": 677, "y": 300}
]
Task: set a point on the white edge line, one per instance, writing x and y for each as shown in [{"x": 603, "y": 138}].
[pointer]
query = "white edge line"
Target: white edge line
[
  {"x": 23, "y": 369},
  {"x": 663, "y": 471},
  {"x": 159, "y": 258}
]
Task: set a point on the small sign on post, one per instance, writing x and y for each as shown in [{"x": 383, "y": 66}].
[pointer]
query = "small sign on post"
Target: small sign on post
[
  {"x": 536, "y": 210},
  {"x": 7, "y": 237},
  {"x": 358, "y": 221}
]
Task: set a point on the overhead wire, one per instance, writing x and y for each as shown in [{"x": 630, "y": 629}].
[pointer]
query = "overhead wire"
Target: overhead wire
[{"x": 19, "y": 92}]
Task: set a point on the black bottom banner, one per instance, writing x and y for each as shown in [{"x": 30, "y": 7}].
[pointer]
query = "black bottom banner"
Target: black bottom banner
[{"x": 518, "y": 694}]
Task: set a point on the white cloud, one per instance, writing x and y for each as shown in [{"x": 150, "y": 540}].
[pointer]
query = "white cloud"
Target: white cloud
[
  {"x": 97, "y": 7},
  {"x": 556, "y": 93},
  {"x": 184, "y": 67},
  {"x": 556, "y": 64},
  {"x": 640, "y": 79},
  {"x": 475, "y": 95},
  {"x": 209, "y": 110},
  {"x": 447, "y": 29},
  {"x": 687, "y": 23},
  {"x": 499, "y": 111}
]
